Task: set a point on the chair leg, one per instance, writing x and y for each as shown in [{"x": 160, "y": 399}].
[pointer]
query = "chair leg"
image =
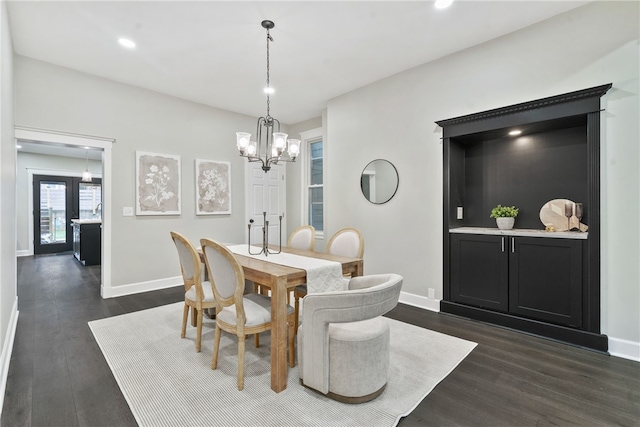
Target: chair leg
[
  {"x": 216, "y": 346},
  {"x": 241, "y": 362},
  {"x": 296, "y": 306},
  {"x": 256, "y": 340},
  {"x": 292, "y": 353},
  {"x": 194, "y": 315},
  {"x": 199, "y": 331},
  {"x": 185, "y": 315}
]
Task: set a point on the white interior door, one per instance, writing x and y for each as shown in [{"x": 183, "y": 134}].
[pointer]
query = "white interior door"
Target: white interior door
[{"x": 266, "y": 193}]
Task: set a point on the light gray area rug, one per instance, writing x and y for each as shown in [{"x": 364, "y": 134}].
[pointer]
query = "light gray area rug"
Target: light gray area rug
[{"x": 167, "y": 383}]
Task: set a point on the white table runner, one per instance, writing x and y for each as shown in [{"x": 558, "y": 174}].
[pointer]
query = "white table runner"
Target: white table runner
[{"x": 322, "y": 275}]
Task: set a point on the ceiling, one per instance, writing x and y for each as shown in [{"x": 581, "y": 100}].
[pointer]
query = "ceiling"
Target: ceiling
[{"x": 214, "y": 52}]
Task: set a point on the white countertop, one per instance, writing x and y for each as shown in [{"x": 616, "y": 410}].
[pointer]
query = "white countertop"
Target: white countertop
[
  {"x": 522, "y": 232},
  {"x": 87, "y": 221}
]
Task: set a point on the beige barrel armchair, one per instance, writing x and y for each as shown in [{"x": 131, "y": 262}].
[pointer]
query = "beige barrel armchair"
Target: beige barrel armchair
[{"x": 343, "y": 341}]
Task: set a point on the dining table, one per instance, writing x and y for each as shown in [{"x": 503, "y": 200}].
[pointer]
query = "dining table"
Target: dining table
[{"x": 281, "y": 280}]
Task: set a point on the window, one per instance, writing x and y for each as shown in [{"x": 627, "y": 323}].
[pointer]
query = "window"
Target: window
[
  {"x": 314, "y": 149},
  {"x": 315, "y": 186}
]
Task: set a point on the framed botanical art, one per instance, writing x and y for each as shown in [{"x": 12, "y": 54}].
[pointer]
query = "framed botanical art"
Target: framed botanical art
[
  {"x": 157, "y": 184},
  {"x": 213, "y": 187}
]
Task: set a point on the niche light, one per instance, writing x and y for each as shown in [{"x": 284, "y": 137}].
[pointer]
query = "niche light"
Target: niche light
[
  {"x": 442, "y": 4},
  {"x": 129, "y": 44}
]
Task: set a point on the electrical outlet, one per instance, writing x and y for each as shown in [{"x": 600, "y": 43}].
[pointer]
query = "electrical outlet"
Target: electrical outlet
[
  {"x": 127, "y": 211},
  {"x": 431, "y": 293},
  {"x": 459, "y": 214}
]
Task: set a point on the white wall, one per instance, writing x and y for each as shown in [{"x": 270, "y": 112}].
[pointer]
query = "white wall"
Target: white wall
[
  {"x": 394, "y": 119},
  {"x": 26, "y": 161},
  {"x": 56, "y": 98},
  {"x": 391, "y": 119},
  {"x": 8, "y": 290}
]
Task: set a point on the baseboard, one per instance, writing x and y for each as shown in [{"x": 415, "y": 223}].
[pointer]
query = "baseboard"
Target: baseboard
[
  {"x": 24, "y": 252},
  {"x": 420, "y": 301},
  {"x": 137, "y": 288},
  {"x": 7, "y": 349},
  {"x": 624, "y": 348}
]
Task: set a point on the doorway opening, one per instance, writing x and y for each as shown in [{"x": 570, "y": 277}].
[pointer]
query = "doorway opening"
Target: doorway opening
[{"x": 54, "y": 139}]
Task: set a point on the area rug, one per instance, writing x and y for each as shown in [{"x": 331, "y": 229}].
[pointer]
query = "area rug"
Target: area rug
[{"x": 167, "y": 383}]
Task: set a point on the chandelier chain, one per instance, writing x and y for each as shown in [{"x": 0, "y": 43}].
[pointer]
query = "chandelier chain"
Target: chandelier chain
[{"x": 268, "y": 69}]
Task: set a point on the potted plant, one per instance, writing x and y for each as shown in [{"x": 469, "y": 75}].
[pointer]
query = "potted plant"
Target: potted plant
[{"x": 505, "y": 216}]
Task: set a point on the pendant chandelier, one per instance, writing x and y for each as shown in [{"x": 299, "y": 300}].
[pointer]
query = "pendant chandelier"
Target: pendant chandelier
[
  {"x": 269, "y": 144},
  {"x": 86, "y": 175}
]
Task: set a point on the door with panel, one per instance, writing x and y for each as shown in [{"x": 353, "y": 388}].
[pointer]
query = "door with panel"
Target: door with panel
[
  {"x": 266, "y": 195},
  {"x": 480, "y": 271}
]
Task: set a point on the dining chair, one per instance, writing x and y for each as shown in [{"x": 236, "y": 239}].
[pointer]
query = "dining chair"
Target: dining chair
[
  {"x": 198, "y": 293},
  {"x": 344, "y": 342},
  {"x": 238, "y": 313},
  {"x": 347, "y": 242},
  {"x": 303, "y": 237}
]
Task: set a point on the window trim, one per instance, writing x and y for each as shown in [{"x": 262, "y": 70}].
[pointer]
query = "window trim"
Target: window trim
[{"x": 307, "y": 138}]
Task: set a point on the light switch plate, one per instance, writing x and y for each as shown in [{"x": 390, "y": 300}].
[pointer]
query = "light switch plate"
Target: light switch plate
[
  {"x": 127, "y": 211},
  {"x": 459, "y": 215}
]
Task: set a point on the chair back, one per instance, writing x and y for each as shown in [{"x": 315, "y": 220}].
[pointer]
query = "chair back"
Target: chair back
[
  {"x": 225, "y": 274},
  {"x": 347, "y": 242},
  {"x": 190, "y": 264},
  {"x": 303, "y": 238}
]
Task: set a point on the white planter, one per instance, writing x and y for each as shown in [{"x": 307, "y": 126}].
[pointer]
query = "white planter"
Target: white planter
[{"x": 505, "y": 223}]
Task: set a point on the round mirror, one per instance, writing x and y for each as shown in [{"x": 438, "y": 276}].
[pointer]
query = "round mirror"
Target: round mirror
[{"x": 379, "y": 181}]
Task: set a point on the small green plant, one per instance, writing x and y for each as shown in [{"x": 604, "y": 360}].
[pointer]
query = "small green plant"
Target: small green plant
[{"x": 504, "y": 211}]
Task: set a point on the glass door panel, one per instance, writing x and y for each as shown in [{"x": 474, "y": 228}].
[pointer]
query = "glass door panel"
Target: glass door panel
[
  {"x": 90, "y": 200},
  {"x": 53, "y": 212}
]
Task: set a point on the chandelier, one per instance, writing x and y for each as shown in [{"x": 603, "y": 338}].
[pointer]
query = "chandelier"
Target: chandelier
[{"x": 269, "y": 144}]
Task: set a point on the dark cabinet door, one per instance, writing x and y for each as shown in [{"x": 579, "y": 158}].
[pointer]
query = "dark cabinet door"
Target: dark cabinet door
[
  {"x": 479, "y": 271},
  {"x": 545, "y": 279}
]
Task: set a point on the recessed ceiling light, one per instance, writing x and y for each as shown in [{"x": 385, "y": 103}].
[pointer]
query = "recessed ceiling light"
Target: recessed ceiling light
[
  {"x": 442, "y": 4},
  {"x": 18, "y": 146},
  {"x": 268, "y": 90},
  {"x": 515, "y": 132},
  {"x": 126, "y": 43}
]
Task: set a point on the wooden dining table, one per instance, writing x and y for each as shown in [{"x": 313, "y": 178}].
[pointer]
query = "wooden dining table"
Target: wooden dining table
[{"x": 281, "y": 280}]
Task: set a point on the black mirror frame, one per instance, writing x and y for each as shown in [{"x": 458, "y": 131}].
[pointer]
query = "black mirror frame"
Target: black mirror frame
[{"x": 397, "y": 181}]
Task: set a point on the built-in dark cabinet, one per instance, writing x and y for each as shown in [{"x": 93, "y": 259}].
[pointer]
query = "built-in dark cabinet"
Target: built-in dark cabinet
[
  {"x": 541, "y": 283},
  {"x": 545, "y": 279},
  {"x": 480, "y": 271},
  {"x": 534, "y": 277}
]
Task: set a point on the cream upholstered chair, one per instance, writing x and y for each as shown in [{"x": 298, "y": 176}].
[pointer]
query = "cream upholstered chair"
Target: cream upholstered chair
[
  {"x": 343, "y": 341},
  {"x": 347, "y": 242},
  {"x": 303, "y": 237},
  {"x": 198, "y": 293},
  {"x": 237, "y": 313}
]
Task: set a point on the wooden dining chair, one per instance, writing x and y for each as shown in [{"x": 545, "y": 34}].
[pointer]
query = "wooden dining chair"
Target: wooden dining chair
[
  {"x": 303, "y": 237},
  {"x": 198, "y": 293},
  {"x": 347, "y": 242},
  {"x": 238, "y": 313}
]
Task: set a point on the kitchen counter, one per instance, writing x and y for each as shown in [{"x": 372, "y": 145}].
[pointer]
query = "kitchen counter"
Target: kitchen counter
[
  {"x": 87, "y": 221},
  {"x": 522, "y": 232}
]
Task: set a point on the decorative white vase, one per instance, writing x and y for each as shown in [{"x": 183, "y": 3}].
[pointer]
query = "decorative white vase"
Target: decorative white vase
[{"x": 505, "y": 223}]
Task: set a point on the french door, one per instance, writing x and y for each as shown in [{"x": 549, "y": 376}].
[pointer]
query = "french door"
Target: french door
[{"x": 56, "y": 201}]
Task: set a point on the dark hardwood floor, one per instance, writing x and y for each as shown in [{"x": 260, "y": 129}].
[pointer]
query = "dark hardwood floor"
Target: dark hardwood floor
[{"x": 58, "y": 376}]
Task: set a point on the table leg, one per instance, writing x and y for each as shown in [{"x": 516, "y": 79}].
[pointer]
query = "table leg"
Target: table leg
[{"x": 278, "y": 333}]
